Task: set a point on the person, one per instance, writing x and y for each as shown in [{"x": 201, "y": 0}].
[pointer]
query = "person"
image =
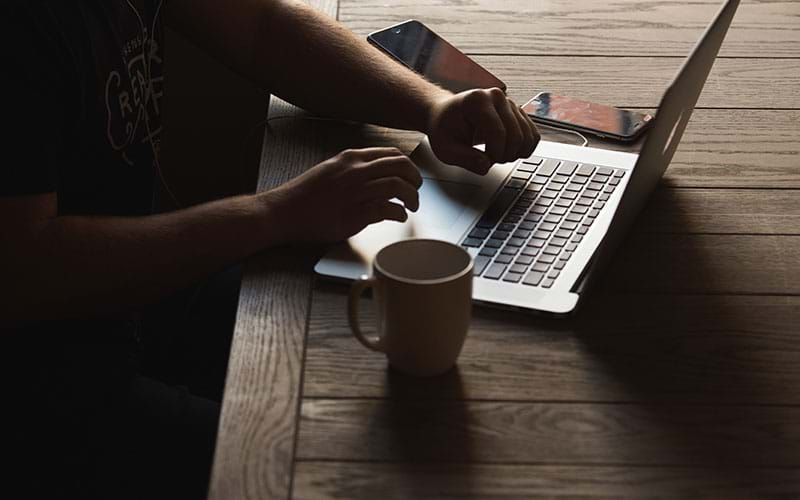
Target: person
[{"x": 92, "y": 274}]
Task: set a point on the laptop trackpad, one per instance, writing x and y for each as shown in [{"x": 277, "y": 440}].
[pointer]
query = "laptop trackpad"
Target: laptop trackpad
[{"x": 441, "y": 203}]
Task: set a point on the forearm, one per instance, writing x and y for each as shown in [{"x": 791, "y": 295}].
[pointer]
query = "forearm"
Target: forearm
[
  {"x": 75, "y": 266},
  {"x": 310, "y": 60}
]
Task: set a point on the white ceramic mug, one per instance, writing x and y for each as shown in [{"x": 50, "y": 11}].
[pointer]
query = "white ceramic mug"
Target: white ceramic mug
[{"x": 423, "y": 294}]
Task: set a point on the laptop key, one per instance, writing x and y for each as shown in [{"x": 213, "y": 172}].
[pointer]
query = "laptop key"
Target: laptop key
[
  {"x": 494, "y": 244},
  {"x": 572, "y": 217},
  {"x": 558, "y": 242},
  {"x": 541, "y": 267},
  {"x": 539, "y": 210},
  {"x": 533, "y": 160},
  {"x": 593, "y": 213},
  {"x": 586, "y": 170},
  {"x": 605, "y": 170},
  {"x": 546, "y": 226},
  {"x": 561, "y": 179},
  {"x": 499, "y": 235},
  {"x": 552, "y": 218},
  {"x": 619, "y": 173},
  {"x": 560, "y": 265},
  {"x": 599, "y": 205},
  {"x": 488, "y": 252},
  {"x": 551, "y": 250},
  {"x": 594, "y": 186},
  {"x": 503, "y": 259},
  {"x": 570, "y": 247},
  {"x": 540, "y": 179},
  {"x": 548, "y": 167},
  {"x": 563, "y": 233},
  {"x": 585, "y": 201},
  {"x": 518, "y": 268},
  {"x": 602, "y": 179},
  {"x": 549, "y": 193},
  {"x": 506, "y": 227},
  {"x": 498, "y": 207},
  {"x": 472, "y": 243},
  {"x": 512, "y": 219},
  {"x": 604, "y": 197},
  {"x": 558, "y": 210},
  {"x": 479, "y": 232},
  {"x": 512, "y": 277},
  {"x": 614, "y": 181},
  {"x": 495, "y": 271},
  {"x": 547, "y": 259},
  {"x": 481, "y": 261},
  {"x": 536, "y": 243},
  {"x": 574, "y": 187},
  {"x": 567, "y": 167},
  {"x": 547, "y": 283},
  {"x": 515, "y": 183},
  {"x": 579, "y": 209},
  {"x": 544, "y": 202},
  {"x": 527, "y": 225},
  {"x": 561, "y": 202},
  {"x": 569, "y": 195},
  {"x": 580, "y": 179},
  {"x": 521, "y": 233},
  {"x": 516, "y": 242},
  {"x": 524, "y": 260},
  {"x": 521, "y": 175},
  {"x": 583, "y": 229},
  {"x": 509, "y": 250},
  {"x": 533, "y": 278},
  {"x": 530, "y": 251}
]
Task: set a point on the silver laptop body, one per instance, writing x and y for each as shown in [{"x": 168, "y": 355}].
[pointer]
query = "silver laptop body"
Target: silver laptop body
[{"x": 540, "y": 228}]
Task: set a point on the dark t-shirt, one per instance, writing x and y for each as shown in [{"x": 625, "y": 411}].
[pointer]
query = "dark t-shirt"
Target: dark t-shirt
[{"x": 83, "y": 85}]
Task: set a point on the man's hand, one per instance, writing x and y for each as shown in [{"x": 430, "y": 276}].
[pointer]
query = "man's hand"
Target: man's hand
[
  {"x": 341, "y": 196},
  {"x": 457, "y": 122}
]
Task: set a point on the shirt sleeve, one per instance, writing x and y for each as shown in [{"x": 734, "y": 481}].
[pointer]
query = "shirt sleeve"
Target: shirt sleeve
[{"x": 33, "y": 84}]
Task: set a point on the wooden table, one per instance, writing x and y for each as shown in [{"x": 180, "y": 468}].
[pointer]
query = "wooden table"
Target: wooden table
[{"x": 679, "y": 378}]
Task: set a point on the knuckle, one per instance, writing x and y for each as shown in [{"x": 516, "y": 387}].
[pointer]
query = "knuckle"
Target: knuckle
[{"x": 497, "y": 95}]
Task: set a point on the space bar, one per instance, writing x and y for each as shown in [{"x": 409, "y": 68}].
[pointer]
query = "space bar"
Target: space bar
[{"x": 498, "y": 208}]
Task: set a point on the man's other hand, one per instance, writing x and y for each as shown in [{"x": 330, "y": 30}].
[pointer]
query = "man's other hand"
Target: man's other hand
[
  {"x": 457, "y": 122},
  {"x": 342, "y": 195}
]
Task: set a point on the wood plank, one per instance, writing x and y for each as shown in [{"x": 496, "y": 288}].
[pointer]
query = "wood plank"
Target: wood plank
[
  {"x": 549, "y": 433},
  {"x": 255, "y": 443},
  {"x": 401, "y": 481},
  {"x": 639, "y": 82},
  {"x": 619, "y": 348},
  {"x": 732, "y": 211},
  {"x": 623, "y": 27}
]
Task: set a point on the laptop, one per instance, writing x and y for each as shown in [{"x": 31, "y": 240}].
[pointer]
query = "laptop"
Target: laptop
[{"x": 539, "y": 229}]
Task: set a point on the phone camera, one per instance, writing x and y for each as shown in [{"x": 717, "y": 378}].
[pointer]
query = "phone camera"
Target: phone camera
[{"x": 397, "y": 31}]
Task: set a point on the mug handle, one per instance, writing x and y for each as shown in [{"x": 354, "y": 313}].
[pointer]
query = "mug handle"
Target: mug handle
[{"x": 356, "y": 290}]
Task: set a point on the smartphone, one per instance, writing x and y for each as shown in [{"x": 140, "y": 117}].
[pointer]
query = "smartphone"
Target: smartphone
[
  {"x": 584, "y": 116},
  {"x": 419, "y": 48}
]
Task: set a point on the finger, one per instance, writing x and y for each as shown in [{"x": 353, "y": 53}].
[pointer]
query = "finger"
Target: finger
[
  {"x": 388, "y": 188},
  {"x": 465, "y": 156},
  {"x": 369, "y": 154},
  {"x": 487, "y": 122},
  {"x": 513, "y": 137},
  {"x": 370, "y": 213},
  {"x": 529, "y": 132},
  {"x": 392, "y": 166}
]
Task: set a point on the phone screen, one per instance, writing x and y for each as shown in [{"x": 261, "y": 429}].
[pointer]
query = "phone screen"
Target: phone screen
[
  {"x": 586, "y": 115},
  {"x": 422, "y": 50}
]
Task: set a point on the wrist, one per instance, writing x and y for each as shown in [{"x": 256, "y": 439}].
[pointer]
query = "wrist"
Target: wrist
[
  {"x": 434, "y": 103},
  {"x": 269, "y": 222}
]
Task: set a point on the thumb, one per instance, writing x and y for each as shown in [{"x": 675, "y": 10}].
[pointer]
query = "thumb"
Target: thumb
[{"x": 466, "y": 157}]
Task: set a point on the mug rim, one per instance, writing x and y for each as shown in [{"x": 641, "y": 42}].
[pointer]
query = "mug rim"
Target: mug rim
[{"x": 433, "y": 281}]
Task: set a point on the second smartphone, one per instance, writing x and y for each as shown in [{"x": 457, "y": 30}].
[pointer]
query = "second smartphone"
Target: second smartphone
[
  {"x": 419, "y": 48},
  {"x": 584, "y": 116}
]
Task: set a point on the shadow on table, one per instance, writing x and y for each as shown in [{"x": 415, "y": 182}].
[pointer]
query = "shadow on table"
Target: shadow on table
[
  {"x": 423, "y": 432},
  {"x": 709, "y": 393}
]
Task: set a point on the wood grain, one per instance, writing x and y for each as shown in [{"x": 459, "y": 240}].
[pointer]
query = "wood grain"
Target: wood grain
[
  {"x": 255, "y": 443},
  {"x": 619, "y": 28},
  {"x": 619, "y": 348},
  {"x": 639, "y": 82},
  {"x": 402, "y": 481},
  {"x": 431, "y": 430}
]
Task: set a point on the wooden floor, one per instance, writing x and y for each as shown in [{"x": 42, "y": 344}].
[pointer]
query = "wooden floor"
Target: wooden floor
[{"x": 681, "y": 376}]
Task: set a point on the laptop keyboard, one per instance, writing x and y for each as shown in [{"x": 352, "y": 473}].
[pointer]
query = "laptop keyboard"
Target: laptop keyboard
[{"x": 536, "y": 222}]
